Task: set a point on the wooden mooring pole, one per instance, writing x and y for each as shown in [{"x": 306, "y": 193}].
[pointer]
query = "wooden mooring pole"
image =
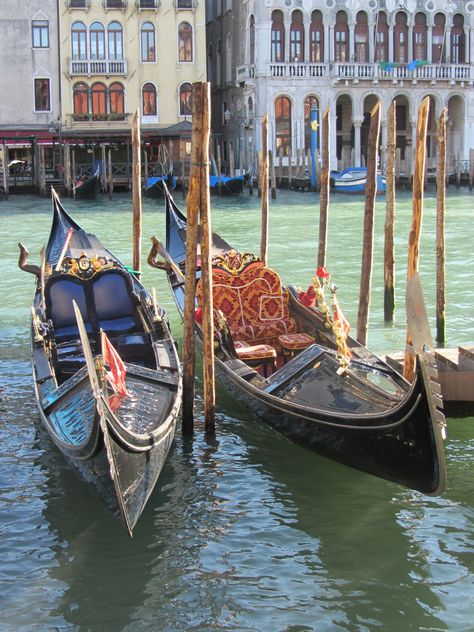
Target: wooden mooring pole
[
  {"x": 110, "y": 175},
  {"x": 264, "y": 190},
  {"x": 368, "y": 238},
  {"x": 136, "y": 193},
  {"x": 5, "y": 169},
  {"x": 389, "y": 250},
  {"x": 417, "y": 216},
  {"x": 73, "y": 174},
  {"x": 440, "y": 237},
  {"x": 324, "y": 191}
]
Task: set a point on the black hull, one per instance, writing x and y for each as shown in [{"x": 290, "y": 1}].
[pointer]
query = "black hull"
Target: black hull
[
  {"x": 366, "y": 417},
  {"x": 156, "y": 190},
  {"x": 232, "y": 186},
  {"x": 88, "y": 189}
]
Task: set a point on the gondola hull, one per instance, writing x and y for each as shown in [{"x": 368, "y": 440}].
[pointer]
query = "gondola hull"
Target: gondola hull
[
  {"x": 353, "y": 180},
  {"x": 365, "y": 416},
  {"x": 115, "y": 441},
  {"x": 154, "y": 185},
  {"x": 228, "y": 185},
  {"x": 87, "y": 188}
]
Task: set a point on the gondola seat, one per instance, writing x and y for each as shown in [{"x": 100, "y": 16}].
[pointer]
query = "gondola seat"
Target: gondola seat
[
  {"x": 60, "y": 292},
  {"x": 115, "y": 304},
  {"x": 253, "y": 302}
]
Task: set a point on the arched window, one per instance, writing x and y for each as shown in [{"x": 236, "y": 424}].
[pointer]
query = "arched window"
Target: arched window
[
  {"x": 147, "y": 39},
  {"x": 97, "y": 40},
  {"x": 381, "y": 40},
  {"x": 186, "y": 99},
  {"x": 316, "y": 36},
  {"x": 438, "y": 51},
  {"x": 310, "y": 104},
  {"x": 341, "y": 37},
  {"x": 361, "y": 35},
  {"x": 79, "y": 41},
  {"x": 296, "y": 37},
  {"x": 252, "y": 40},
  {"x": 117, "y": 104},
  {"x": 400, "y": 34},
  {"x": 185, "y": 42},
  {"x": 283, "y": 125},
  {"x": 458, "y": 41},
  {"x": 419, "y": 37},
  {"x": 278, "y": 37},
  {"x": 115, "y": 37},
  {"x": 149, "y": 100},
  {"x": 98, "y": 99},
  {"x": 80, "y": 98}
]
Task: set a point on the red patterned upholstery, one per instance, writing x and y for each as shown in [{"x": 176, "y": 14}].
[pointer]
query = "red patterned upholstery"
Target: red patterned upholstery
[
  {"x": 296, "y": 342},
  {"x": 253, "y": 303},
  {"x": 254, "y": 354}
]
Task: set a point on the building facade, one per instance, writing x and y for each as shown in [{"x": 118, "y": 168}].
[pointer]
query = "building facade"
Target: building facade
[
  {"x": 29, "y": 72},
  {"x": 287, "y": 57}
]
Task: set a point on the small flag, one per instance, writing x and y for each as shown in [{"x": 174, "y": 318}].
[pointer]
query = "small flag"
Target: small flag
[
  {"x": 340, "y": 318},
  {"x": 117, "y": 373}
]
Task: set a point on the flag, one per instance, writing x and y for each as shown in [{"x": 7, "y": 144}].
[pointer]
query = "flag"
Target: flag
[
  {"x": 117, "y": 373},
  {"x": 413, "y": 65},
  {"x": 340, "y": 318}
]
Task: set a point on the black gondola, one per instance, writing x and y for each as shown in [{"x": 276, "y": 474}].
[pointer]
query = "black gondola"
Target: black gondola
[
  {"x": 116, "y": 439},
  {"x": 359, "y": 412},
  {"x": 87, "y": 187},
  {"x": 227, "y": 185},
  {"x": 154, "y": 185}
]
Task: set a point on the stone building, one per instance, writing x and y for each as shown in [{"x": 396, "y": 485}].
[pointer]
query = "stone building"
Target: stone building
[{"x": 285, "y": 57}]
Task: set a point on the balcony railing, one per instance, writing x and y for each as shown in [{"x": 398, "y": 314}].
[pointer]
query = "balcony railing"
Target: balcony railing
[
  {"x": 90, "y": 67},
  {"x": 185, "y": 4},
  {"x": 362, "y": 72},
  {"x": 115, "y": 4},
  {"x": 148, "y": 4},
  {"x": 109, "y": 116},
  {"x": 78, "y": 4}
]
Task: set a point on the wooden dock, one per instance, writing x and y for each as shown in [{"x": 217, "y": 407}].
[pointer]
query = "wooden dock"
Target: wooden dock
[{"x": 456, "y": 374}]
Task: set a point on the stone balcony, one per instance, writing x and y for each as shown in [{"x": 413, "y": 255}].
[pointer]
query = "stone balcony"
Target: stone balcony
[
  {"x": 334, "y": 72},
  {"x": 93, "y": 67}
]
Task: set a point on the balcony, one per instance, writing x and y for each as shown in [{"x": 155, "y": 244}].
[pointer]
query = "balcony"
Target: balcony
[
  {"x": 108, "y": 117},
  {"x": 356, "y": 72},
  {"x": 143, "y": 5},
  {"x": 92, "y": 67},
  {"x": 78, "y": 4},
  {"x": 115, "y": 4}
]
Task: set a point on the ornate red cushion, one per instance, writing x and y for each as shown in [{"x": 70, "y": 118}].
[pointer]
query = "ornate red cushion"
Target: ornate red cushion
[{"x": 294, "y": 342}]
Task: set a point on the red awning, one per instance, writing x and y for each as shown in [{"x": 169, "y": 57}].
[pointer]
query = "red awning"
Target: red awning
[{"x": 13, "y": 137}]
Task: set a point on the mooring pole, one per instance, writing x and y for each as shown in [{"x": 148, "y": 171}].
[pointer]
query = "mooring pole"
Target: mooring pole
[
  {"x": 73, "y": 174},
  {"x": 368, "y": 237},
  {"x": 5, "y": 169},
  {"x": 314, "y": 144},
  {"x": 202, "y": 98},
  {"x": 324, "y": 191},
  {"x": 103, "y": 179},
  {"x": 440, "y": 236},
  {"x": 136, "y": 192},
  {"x": 389, "y": 251},
  {"x": 417, "y": 216},
  {"x": 264, "y": 190},
  {"x": 110, "y": 175}
]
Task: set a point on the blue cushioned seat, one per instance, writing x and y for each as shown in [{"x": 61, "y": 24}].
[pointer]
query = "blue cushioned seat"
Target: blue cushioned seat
[
  {"x": 60, "y": 293},
  {"x": 114, "y": 305}
]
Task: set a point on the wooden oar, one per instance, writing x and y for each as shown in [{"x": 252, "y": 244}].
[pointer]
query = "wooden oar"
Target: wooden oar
[
  {"x": 159, "y": 249},
  {"x": 87, "y": 353},
  {"x": 417, "y": 318}
]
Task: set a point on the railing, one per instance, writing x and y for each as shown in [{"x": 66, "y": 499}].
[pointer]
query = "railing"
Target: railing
[
  {"x": 109, "y": 116},
  {"x": 185, "y": 4},
  {"x": 78, "y": 4},
  {"x": 91, "y": 67},
  {"x": 362, "y": 72},
  {"x": 148, "y": 4},
  {"x": 115, "y": 4}
]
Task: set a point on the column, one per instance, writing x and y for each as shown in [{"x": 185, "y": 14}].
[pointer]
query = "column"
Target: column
[
  {"x": 410, "y": 43},
  {"x": 328, "y": 33},
  {"x": 351, "y": 42},
  {"x": 372, "y": 35},
  {"x": 390, "y": 43},
  {"x": 357, "y": 158},
  {"x": 331, "y": 43},
  {"x": 429, "y": 44}
]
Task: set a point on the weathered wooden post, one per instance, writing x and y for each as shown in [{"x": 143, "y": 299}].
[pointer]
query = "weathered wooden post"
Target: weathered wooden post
[
  {"x": 471, "y": 169},
  {"x": 417, "y": 216},
  {"x": 202, "y": 98},
  {"x": 250, "y": 163},
  {"x": 440, "y": 237},
  {"x": 103, "y": 175},
  {"x": 145, "y": 166},
  {"x": 389, "y": 250},
  {"x": 290, "y": 169},
  {"x": 280, "y": 167},
  {"x": 219, "y": 169},
  {"x": 42, "y": 182},
  {"x": 264, "y": 190},
  {"x": 368, "y": 238},
  {"x": 458, "y": 170},
  {"x": 5, "y": 169},
  {"x": 110, "y": 175},
  {"x": 73, "y": 173},
  {"x": 231, "y": 160},
  {"x": 324, "y": 194},
  {"x": 136, "y": 193}
]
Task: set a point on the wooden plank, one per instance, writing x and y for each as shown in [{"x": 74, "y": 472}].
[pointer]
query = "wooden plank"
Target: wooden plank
[
  {"x": 457, "y": 386},
  {"x": 447, "y": 359}
]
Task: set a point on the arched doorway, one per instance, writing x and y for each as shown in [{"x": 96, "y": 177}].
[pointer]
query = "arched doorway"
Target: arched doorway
[
  {"x": 456, "y": 122},
  {"x": 344, "y": 131}
]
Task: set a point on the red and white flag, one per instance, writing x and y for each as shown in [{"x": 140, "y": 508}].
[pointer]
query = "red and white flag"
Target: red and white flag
[{"x": 117, "y": 373}]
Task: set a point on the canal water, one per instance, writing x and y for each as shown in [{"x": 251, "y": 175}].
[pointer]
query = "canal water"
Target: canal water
[{"x": 247, "y": 532}]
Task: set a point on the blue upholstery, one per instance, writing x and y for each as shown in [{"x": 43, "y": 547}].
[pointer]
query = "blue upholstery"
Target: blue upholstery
[
  {"x": 118, "y": 325},
  {"x": 112, "y": 296},
  {"x": 59, "y": 296}
]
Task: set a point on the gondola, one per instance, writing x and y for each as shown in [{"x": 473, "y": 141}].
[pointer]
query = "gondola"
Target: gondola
[
  {"x": 353, "y": 180},
  {"x": 106, "y": 373},
  {"x": 286, "y": 360},
  {"x": 226, "y": 185},
  {"x": 154, "y": 185},
  {"x": 87, "y": 187}
]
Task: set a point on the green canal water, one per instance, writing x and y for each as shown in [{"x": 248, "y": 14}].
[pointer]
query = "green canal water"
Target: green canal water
[{"x": 247, "y": 532}]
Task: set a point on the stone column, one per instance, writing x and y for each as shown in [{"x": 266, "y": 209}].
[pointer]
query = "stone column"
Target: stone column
[
  {"x": 351, "y": 42},
  {"x": 390, "y": 42},
  {"x": 357, "y": 157}
]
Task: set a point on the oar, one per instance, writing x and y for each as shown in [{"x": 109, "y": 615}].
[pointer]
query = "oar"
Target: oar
[
  {"x": 159, "y": 248},
  {"x": 91, "y": 370}
]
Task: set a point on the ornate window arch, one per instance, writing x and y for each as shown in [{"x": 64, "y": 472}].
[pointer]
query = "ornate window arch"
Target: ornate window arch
[
  {"x": 117, "y": 98},
  {"x": 316, "y": 37},
  {"x": 420, "y": 37},
  {"x": 98, "y": 98},
  {"x": 283, "y": 125},
  {"x": 80, "y": 97},
  {"x": 147, "y": 42},
  {"x": 149, "y": 100},
  {"x": 277, "y": 37},
  {"x": 400, "y": 35},
  {"x": 185, "y": 99},
  {"x": 361, "y": 38},
  {"x": 458, "y": 40},
  {"x": 381, "y": 38},
  {"x": 78, "y": 41},
  {"x": 296, "y": 37},
  {"x": 185, "y": 42},
  {"x": 115, "y": 41},
  {"x": 97, "y": 41},
  {"x": 341, "y": 37}
]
